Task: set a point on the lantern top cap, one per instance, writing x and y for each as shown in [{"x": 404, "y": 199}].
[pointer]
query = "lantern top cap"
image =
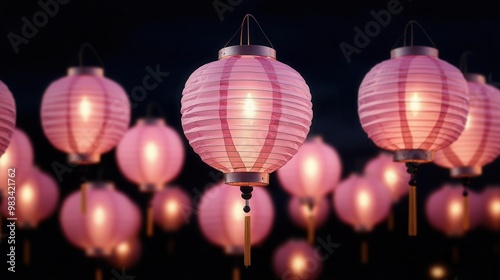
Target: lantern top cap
[
  {"x": 150, "y": 121},
  {"x": 414, "y": 50},
  {"x": 255, "y": 50},
  {"x": 99, "y": 185},
  {"x": 86, "y": 70},
  {"x": 475, "y": 77}
]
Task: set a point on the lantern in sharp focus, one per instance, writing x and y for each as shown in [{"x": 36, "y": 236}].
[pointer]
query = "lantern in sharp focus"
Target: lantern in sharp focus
[
  {"x": 109, "y": 218},
  {"x": 309, "y": 218},
  {"x": 361, "y": 203},
  {"x": 18, "y": 155},
  {"x": 413, "y": 104},
  {"x": 150, "y": 154},
  {"x": 297, "y": 259},
  {"x": 85, "y": 114},
  {"x": 172, "y": 208},
  {"x": 7, "y": 116},
  {"x": 246, "y": 115},
  {"x": 490, "y": 207}
]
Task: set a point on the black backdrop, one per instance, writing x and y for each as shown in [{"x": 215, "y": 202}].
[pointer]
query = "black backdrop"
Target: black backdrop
[{"x": 181, "y": 36}]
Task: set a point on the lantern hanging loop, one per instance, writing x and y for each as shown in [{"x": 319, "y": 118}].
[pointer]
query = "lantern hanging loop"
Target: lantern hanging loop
[
  {"x": 90, "y": 47},
  {"x": 246, "y": 20},
  {"x": 464, "y": 61},
  {"x": 410, "y": 24}
]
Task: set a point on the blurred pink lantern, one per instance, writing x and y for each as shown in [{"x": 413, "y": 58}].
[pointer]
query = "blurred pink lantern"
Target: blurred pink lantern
[
  {"x": 490, "y": 207},
  {"x": 150, "y": 154},
  {"x": 444, "y": 210},
  {"x": 126, "y": 254},
  {"x": 309, "y": 218},
  {"x": 479, "y": 143},
  {"x": 297, "y": 259},
  {"x": 172, "y": 208},
  {"x": 18, "y": 155},
  {"x": 246, "y": 115},
  {"x": 36, "y": 199},
  {"x": 7, "y": 117},
  {"x": 413, "y": 104},
  {"x": 110, "y": 218},
  {"x": 361, "y": 203},
  {"x": 85, "y": 114}
]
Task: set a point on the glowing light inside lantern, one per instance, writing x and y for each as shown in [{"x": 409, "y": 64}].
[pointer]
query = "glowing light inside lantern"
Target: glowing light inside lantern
[
  {"x": 310, "y": 168},
  {"x": 123, "y": 248},
  {"x": 363, "y": 200},
  {"x": 297, "y": 264},
  {"x": 455, "y": 209},
  {"x": 151, "y": 152},
  {"x": 238, "y": 213},
  {"x": 171, "y": 207},
  {"x": 390, "y": 178},
  {"x": 437, "y": 271},
  {"x": 494, "y": 208},
  {"x": 469, "y": 121},
  {"x": 85, "y": 109},
  {"x": 99, "y": 216},
  {"x": 415, "y": 104},
  {"x": 4, "y": 159},
  {"x": 27, "y": 194},
  {"x": 249, "y": 107}
]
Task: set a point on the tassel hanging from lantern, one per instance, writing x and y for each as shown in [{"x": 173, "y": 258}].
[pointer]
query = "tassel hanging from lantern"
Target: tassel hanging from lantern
[
  {"x": 149, "y": 221},
  {"x": 246, "y": 194},
  {"x": 27, "y": 251},
  {"x": 98, "y": 274},
  {"x": 412, "y": 206},
  {"x": 364, "y": 251},
  {"x": 309, "y": 203},
  {"x": 465, "y": 195},
  {"x": 390, "y": 221}
]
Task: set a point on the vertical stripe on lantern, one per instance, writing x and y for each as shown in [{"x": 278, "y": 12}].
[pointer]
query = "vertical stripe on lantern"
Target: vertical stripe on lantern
[
  {"x": 69, "y": 117},
  {"x": 97, "y": 140},
  {"x": 402, "y": 81},
  {"x": 484, "y": 135},
  {"x": 275, "y": 115}
]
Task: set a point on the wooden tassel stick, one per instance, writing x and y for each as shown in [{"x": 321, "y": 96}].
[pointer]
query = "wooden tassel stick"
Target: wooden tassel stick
[
  {"x": 83, "y": 201},
  {"x": 236, "y": 273},
  {"x": 466, "y": 216},
  {"x": 246, "y": 254},
  {"x": 150, "y": 222},
  {"x": 412, "y": 211},
  {"x": 310, "y": 229},
  {"x": 27, "y": 251},
  {"x": 390, "y": 221},
  {"x": 455, "y": 254},
  {"x": 364, "y": 252},
  {"x": 98, "y": 274}
]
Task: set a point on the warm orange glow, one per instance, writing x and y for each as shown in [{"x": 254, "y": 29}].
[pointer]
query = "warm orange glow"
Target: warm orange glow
[
  {"x": 99, "y": 216},
  {"x": 390, "y": 178},
  {"x": 171, "y": 207},
  {"x": 4, "y": 159},
  {"x": 85, "y": 109},
  {"x": 494, "y": 208},
  {"x": 469, "y": 121},
  {"x": 455, "y": 209},
  {"x": 249, "y": 107},
  {"x": 151, "y": 152},
  {"x": 437, "y": 272},
  {"x": 363, "y": 200},
  {"x": 298, "y": 264},
  {"x": 27, "y": 194},
  {"x": 310, "y": 168},
  {"x": 237, "y": 211},
  {"x": 123, "y": 249},
  {"x": 415, "y": 105}
]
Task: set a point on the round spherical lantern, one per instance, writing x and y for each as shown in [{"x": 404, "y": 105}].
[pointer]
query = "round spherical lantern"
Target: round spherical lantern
[
  {"x": 490, "y": 207},
  {"x": 306, "y": 217},
  {"x": 391, "y": 174},
  {"x": 445, "y": 210},
  {"x": 479, "y": 143},
  {"x": 221, "y": 220},
  {"x": 126, "y": 254},
  {"x": 172, "y": 208},
  {"x": 85, "y": 114},
  {"x": 413, "y": 104},
  {"x": 150, "y": 154},
  {"x": 36, "y": 199},
  {"x": 19, "y": 156},
  {"x": 7, "y": 116},
  {"x": 297, "y": 259},
  {"x": 109, "y": 218}
]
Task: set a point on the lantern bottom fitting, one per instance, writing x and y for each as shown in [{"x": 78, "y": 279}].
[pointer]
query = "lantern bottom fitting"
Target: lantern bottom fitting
[
  {"x": 97, "y": 252},
  {"x": 150, "y": 187},
  {"x": 84, "y": 158},
  {"x": 466, "y": 171},
  {"x": 247, "y": 179},
  {"x": 233, "y": 250},
  {"x": 419, "y": 156}
]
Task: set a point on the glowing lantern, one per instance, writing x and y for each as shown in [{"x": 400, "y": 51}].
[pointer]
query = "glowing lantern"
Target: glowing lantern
[
  {"x": 7, "y": 117},
  {"x": 18, "y": 155},
  {"x": 126, "y": 253},
  {"x": 36, "y": 199},
  {"x": 109, "y": 219},
  {"x": 246, "y": 115},
  {"x": 309, "y": 218},
  {"x": 361, "y": 203},
  {"x": 490, "y": 207},
  {"x": 413, "y": 104},
  {"x": 445, "y": 211},
  {"x": 150, "y": 154},
  {"x": 171, "y": 208},
  {"x": 85, "y": 114},
  {"x": 297, "y": 259}
]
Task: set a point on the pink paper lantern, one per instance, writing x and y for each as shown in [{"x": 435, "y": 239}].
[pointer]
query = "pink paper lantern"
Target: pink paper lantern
[
  {"x": 172, "y": 208},
  {"x": 7, "y": 117},
  {"x": 300, "y": 212},
  {"x": 297, "y": 259},
  {"x": 444, "y": 209},
  {"x": 413, "y": 103},
  {"x": 18, "y": 155},
  {"x": 109, "y": 218},
  {"x": 391, "y": 174},
  {"x": 246, "y": 114},
  {"x": 313, "y": 172},
  {"x": 150, "y": 154},
  {"x": 221, "y": 219},
  {"x": 490, "y": 207},
  {"x": 85, "y": 114},
  {"x": 126, "y": 254},
  {"x": 36, "y": 199},
  {"x": 479, "y": 143},
  {"x": 361, "y": 202}
]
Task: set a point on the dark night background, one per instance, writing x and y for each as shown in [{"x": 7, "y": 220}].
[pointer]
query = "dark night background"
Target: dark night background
[{"x": 183, "y": 35}]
